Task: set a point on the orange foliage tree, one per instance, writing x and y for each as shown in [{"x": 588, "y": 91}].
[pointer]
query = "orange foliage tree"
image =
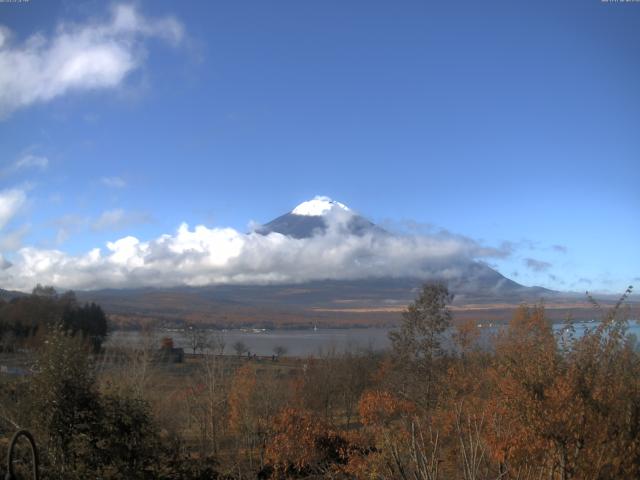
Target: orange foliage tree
[
  {"x": 574, "y": 411},
  {"x": 303, "y": 445}
]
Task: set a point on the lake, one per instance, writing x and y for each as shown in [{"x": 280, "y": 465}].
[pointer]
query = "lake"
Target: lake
[{"x": 305, "y": 342}]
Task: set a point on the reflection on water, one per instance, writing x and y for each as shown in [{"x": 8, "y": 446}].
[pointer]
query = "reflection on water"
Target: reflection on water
[{"x": 312, "y": 342}]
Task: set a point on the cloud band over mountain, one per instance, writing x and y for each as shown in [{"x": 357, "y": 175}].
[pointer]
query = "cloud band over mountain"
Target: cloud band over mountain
[{"x": 205, "y": 256}]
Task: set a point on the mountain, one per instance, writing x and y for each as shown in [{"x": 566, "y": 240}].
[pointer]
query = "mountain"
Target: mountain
[
  {"x": 310, "y": 218},
  {"x": 375, "y": 300},
  {"x": 8, "y": 295},
  {"x": 475, "y": 280}
]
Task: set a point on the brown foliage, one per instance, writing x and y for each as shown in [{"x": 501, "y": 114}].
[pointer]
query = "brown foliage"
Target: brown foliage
[
  {"x": 573, "y": 413},
  {"x": 242, "y": 389},
  {"x": 302, "y": 445},
  {"x": 380, "y": 408}
]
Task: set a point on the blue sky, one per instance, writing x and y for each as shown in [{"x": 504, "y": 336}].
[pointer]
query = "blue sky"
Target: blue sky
[{"x": 514, "y": 124}]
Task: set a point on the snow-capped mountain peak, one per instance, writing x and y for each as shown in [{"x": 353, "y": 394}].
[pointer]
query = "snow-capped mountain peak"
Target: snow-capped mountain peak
[
  {"x": 318, "y": 207},
  {"x": 313, "y": 218}
]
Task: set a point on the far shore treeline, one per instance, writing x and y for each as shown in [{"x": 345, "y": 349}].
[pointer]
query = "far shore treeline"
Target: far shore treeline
[{"x": 25, "y": 320}]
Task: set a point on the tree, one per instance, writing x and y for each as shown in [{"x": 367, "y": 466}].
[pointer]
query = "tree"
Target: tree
[
  {"x": 239, "y": 347},
  {"x": 302, "y": 446},
  {"x": 209, "y": 405},
  {"x": 25, "y": 317},
  {"x": 354, "y": 377},
  {"x": 417, "y": 344},
  {"x": 83, "y": 433},
  {"x": 320, "y": 385},
  {"x": 197, "y": 338},
  {"x": 279, "y": 351},
  {"x": 65, "y": 401},
  {"x": 573, "y": 410},
  {"x": 89, "y": 320},
  {"x": 128, "y": 438},
  {"x": 44, "y": 291},
  {"x": 243, "y": 421},
  {"x": 134, "y": 374}
]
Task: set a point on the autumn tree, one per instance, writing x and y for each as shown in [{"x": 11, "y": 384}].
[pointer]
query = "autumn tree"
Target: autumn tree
[
  {"x": 406, "y": 447},
  {"x": 602, "y": 382},
  {"x": 319, "y": 386},
  {"x": 243, "y": 422},
  {"x": 573, "y": 412},
  {"x": 303, "y": 446},
  {"x": 526, "y": 365}
]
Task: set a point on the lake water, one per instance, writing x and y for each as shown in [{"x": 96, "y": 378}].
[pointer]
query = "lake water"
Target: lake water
[
  {"x": 306, "y": 342},
  {"x": 296, "y": 342}
]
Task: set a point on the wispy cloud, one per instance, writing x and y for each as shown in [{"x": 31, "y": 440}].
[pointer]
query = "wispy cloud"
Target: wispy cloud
[
  {"x": 560, "y": 248},
  {"x": 67, "y": 225},
  {"x": 97, "y": 55},
  {"x": 118, "y": 219},
  {"x": 113, "y": 182},
  {"x": 12, "y": 240},
  {"x": 26, "y": 161},
  {"x": 556, "y": 279},
  {"x": 410, "y": 228},
  {"x": 10, "y": 203},
  {"x": 537, "y": 265},
  {"x": 31, "y": 161}
]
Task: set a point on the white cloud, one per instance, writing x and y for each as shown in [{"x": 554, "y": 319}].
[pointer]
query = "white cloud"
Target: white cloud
[
  {"x": 31, "y": 161},
  {"x": 77, "y": 57},
  {"x": 204, "y": 256},
  {"x": 113, "y": 182},
  {"x": 10, "y": 202}
]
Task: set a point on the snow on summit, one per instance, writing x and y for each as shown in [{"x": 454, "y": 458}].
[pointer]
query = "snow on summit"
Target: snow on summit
[{"x": 317, "y": 207}]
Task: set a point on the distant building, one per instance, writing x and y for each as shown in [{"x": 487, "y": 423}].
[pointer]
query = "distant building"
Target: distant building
[{"x": 168, "y": 353}]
